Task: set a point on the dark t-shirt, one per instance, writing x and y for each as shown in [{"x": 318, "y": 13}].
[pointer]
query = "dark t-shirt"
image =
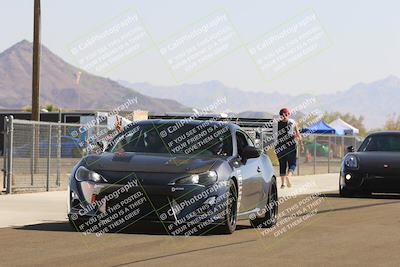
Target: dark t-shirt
[{"x": 285, "y": 142}]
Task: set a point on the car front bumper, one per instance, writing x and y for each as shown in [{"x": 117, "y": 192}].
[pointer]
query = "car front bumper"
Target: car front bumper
[
  {"x": 358, "y": 180},
  {"x": 105, "y": 204}
]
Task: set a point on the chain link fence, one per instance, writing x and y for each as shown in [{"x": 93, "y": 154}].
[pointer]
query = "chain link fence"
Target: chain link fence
[
  {"x": 39, "y": 156},
  {"x": 322, "y": 153}
]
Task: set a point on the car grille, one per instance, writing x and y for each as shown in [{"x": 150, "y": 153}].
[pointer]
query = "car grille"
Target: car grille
[
  {"x": 144, "y": 178},
  {"x": 148, "y": 210}
]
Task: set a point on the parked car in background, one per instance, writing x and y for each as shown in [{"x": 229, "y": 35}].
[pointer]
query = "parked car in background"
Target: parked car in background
[
  {"x": 70, "y": 147},
  {"x": 374, "y": 167}
]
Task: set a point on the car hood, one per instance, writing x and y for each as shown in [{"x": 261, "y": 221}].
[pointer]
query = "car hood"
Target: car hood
[
  {"x": 144, "y": 162},
  {"x": 379, "y": 162}
]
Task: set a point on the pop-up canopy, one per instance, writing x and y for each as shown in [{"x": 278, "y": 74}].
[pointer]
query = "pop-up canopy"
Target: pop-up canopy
[
  {"x": 319, "y": 127},
  {"x": 343, "y": 128}
]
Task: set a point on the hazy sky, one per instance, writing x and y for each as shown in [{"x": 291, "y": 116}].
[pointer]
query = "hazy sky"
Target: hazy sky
[{"x": 365, "y": 38}]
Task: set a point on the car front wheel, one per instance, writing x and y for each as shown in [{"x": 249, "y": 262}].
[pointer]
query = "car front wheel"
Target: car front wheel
[
  {"x": 75, "y": 222},
  {"x": 344, "y": 191}
]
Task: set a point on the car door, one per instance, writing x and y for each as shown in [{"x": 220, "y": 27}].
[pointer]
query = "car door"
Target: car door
[{"x": 250, "y": 175}]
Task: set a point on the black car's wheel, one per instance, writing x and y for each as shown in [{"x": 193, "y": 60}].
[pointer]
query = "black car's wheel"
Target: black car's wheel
[
  {"x": 230, "y": 213},
  {"x": 344, "y": 191},
  {"x": 271, "y": 210},
  {"x": 76, "y": 223}
]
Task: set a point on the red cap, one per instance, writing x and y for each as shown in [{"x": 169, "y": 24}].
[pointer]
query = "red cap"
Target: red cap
[{"x": 284, "y": 110}]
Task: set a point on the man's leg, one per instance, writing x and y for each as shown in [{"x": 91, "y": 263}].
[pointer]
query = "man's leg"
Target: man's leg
[
  {"x": 292, "y": 158},
  {"x": 282, "y": 170},
  {"x": 283, "y": 181},
  {"x": 290, "y": 173}
]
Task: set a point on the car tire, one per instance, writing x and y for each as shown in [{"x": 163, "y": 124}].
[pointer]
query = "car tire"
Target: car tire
[
  {"x": 75, "y": 223},
  {"x": 230, "y": 218},
  {"x": 271, "y": 214},
  {"x": 365, "y": 194},
  {"x": 344, "y": 191}
]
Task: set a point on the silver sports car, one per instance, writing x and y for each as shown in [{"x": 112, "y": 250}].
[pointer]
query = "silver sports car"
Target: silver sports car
[{"x": 188, "y": 175}]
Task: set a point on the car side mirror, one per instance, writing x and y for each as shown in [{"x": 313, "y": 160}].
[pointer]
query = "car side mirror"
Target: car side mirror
[
  {"x": 350, "y": 149},
  {"x": 250, "y": 152}
]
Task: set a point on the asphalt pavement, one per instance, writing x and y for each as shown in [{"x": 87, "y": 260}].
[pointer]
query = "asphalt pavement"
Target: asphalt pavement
[{"x": 314, "y": 229}]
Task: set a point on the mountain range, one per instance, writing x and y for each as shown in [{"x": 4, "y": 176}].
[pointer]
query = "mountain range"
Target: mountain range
[
  {"x": 66, "y": 86},
  {"x": 69, "y": 87},
  {"x": 374, "y": 101}
]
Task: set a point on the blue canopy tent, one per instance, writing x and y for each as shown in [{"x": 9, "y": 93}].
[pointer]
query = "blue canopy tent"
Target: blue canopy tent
[{"x": 319, "y": 127}]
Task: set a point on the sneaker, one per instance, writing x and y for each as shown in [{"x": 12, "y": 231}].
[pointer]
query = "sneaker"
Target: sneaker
[
  {"x": 289, "y": 184},
  {"x": 282, "y": 186}
]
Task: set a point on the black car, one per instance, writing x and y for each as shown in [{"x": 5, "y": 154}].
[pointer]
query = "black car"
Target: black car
[
  {"x": 185, "y": 174},
  {"x": 374, "y": 168}
]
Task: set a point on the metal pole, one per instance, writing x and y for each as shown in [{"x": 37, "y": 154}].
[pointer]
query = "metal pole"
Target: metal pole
[
  {"x": 298, "y": 161},
  {"x": 5, "y": 153},
  {"x": 48, "y": 160},
  {"x": 315, "y": 153},
  {"x": 36, "y": 143},
  {"x": 33, "y": 153},
  {"x": 342, "y": 152},
  {"x": 36, "y": 62},
  {"x": 59, "y": 154},
  {"x": 36, "y": 77},
  {"x": 10, "y": 155},
  {"x": 329, "y": 154},
  {"x": 59, "y": 115}
]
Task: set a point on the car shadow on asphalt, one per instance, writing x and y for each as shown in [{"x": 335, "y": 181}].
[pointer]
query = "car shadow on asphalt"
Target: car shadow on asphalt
[
  {"x": 138, "y": 228},
  {"x": 394, "y": 197},
  {"x": 360, "y": 196}
]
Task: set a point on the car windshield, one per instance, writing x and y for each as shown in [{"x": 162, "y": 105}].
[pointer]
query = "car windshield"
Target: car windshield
[
  {"x": 204, "y": 138},
  {"x": 387, "y": 142}
]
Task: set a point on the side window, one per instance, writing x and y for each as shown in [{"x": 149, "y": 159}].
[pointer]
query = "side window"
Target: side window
[
  {"x": 249, "y": 140},
  {"x": 241, "y": 142}
]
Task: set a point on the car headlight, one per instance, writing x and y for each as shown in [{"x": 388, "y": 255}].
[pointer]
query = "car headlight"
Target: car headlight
[
  {"x": 202, "y": 178},
  {"x": 83, "y": 174},
  {"x": 351, "y": 161}
]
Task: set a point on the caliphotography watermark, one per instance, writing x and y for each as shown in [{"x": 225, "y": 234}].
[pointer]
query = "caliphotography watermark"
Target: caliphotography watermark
[
  {"x": 289, "y": 45},
  {"x": 111, "y": 44},
  {"x": 193, "y": 215},
  {"x": 111, "y": 207},
  {"x": 199, "y": 45},
  {"x": 295, "y": 209}
]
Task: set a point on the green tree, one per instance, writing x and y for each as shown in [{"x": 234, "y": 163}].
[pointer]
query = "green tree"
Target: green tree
[
  {"x": 51, "y": 108},
  {"x": 27, "y": 108},
  {"x": 393, "y": 123}
]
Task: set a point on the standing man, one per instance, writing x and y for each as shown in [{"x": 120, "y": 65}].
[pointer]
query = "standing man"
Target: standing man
[{"x": 286, "y": 146}]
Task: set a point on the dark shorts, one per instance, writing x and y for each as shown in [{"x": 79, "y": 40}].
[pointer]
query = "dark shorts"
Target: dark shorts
[{"x": 287, "y": 162}]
